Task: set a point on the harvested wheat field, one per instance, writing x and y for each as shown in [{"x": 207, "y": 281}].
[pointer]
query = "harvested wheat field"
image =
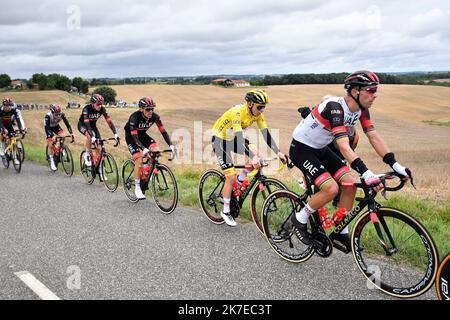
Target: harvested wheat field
[
  {"x": 398, "y": 115},
  {"x": 42, "y": 97}
]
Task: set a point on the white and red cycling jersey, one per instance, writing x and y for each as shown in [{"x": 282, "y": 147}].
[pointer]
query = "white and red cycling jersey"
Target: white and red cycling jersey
[{"x": 328, "y": 121}]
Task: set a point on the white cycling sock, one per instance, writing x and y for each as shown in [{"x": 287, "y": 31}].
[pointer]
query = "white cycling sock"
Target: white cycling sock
[
  {"x": 226, "y": 205},
  {"x": 304, "y": 214}
]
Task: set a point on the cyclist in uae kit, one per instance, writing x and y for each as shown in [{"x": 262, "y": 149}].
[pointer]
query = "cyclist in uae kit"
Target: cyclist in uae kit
[
  {"x": 87, "y": 125},
  {"x": 228, "y": 137},
  {"x": 52, "y": 128},
  {"x": 310, "y": 152},
  {"x": 8, "y": 112},
  {"x": 139, "y": 142}
]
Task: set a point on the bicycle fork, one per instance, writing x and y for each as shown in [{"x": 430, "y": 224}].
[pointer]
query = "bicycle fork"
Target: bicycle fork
[{"x": 378, "y": 222}]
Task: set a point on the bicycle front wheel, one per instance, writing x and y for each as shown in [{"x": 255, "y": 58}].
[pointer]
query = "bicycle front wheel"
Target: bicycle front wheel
[
  {"x": 278, "y": 229},
  {"x": 260, "y": 194},
  {"x": 210, "y": 195},
  {"x": 395, "y": 252},
  {"x": 128, "y": 180},
  {"x": 109, "y": 173},
  {"x": 17, "y": 158},
  {"x": 67, "y": 161},
  {"x": 22, "y": 150},
  {"x": 164, "y": 189},
  {"x": 86, "y": 171}
]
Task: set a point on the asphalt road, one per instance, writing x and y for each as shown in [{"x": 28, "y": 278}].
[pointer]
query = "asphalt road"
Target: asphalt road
[{"x": 51, "y": 225}]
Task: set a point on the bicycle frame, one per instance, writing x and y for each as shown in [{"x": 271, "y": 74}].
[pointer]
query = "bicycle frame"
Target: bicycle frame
[{"x": 368, "y": 201}]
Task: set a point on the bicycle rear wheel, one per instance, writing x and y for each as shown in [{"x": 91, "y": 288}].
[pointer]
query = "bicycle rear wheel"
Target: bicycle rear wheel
[
  {"x": 109, "y": 172},
  {"x": 86, "y": 171},
  {"x": 278, "y": 229},
  {"x": 210, "y": 195},
  {"x": 16, "y": 157},
  {"x": 407, "y": 267},
  {"x": 67, "y": 161},
  {"x": 260, "y": 194},
  {"x": 164, "y": 189},
  {"x": 128, "y": 180}
]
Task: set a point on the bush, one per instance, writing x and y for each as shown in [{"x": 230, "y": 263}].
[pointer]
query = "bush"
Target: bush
[
  {"x": 5, "y": 80},
  {"x": 108, "y": 93}
]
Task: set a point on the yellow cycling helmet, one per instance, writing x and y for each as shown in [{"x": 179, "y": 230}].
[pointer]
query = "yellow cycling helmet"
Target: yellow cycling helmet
[{"x": 257, "y": 96}]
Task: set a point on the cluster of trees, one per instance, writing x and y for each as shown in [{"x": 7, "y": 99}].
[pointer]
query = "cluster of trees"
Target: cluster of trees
[
  {"x": 59, "y": 82},
  {"x": 311, "y": 78},
  {"x": 108, "y": 93},
  {"x": 5, "y": 80}
]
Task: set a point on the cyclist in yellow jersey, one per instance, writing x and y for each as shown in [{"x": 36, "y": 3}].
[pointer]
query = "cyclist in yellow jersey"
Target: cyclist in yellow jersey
[{"x": 228, "y": 136}]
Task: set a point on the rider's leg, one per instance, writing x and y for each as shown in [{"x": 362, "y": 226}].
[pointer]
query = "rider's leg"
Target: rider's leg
[
  {"x": 222, "y": 150},
  {"x": 137, "y": 175}
]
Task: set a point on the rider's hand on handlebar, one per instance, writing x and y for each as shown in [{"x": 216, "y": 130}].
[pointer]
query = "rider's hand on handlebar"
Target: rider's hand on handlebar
[
  {"x": 371, "y": 180},
  {"x": 402, "y": 171},
  {"x": 282, "y": 157},
  {"x": 93, "y": 139},
  {"x": 116, "y": 136},
  {"x": 145, "y": 152},
  {"x": 256, "y": 162}
]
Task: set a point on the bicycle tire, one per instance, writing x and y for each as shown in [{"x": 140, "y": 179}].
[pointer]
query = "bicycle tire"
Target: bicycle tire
[
  {"x": 111, "y": 176},
  {"x": 16, "y": 155},
  {"x": 21, "y": 146},
  {"x": 128, "y": 180},
  {"x": 365, "y": 244},
  {"x": 266, "y": 191},
  {"x": 67, "y": 161},
  {"x": 86, "y": 171},
  {"x": 159, "y": 184},
  {"x": 5, "y": 160},
  {"x": 210, "y": 204},
  {"x": 278, "y": 229}
]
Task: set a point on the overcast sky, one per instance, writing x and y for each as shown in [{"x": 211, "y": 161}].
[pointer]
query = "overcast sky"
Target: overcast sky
[{"x": 203, "y": 37}]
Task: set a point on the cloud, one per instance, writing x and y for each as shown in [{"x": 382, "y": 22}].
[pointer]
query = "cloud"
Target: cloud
[{"x": 173, "y": 37}]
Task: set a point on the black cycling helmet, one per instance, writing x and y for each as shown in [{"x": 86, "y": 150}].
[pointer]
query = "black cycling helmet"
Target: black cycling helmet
[
  {"x": 55, "y": 109},
  {"x": 362, "y": 78},
  {"x": 257, "y": 96},
  {"x": 7, "y": 102},
  {"x": 147, "y": 102},
  {"x": 97, "y": 99}
]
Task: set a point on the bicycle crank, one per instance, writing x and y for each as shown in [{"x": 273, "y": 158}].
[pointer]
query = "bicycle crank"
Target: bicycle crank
[{"x": 322, "y": 244}]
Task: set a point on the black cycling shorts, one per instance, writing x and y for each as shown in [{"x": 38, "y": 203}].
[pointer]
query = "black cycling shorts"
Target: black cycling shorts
[
  {"x": 83, "y": 130},
  {"x": 9, "y": 126},
  {"x": 53, "y": 131},
  {"x": 318, "y": 166},
  {"x": 145, "y": 139},
  {"x": 222, "y": 149}
]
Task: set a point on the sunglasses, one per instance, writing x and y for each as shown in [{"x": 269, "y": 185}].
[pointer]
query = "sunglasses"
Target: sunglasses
[
  {"x": 371, "y": 90},
  {"x": 149, "y": 109},
  {"x": 262, "y": 107}
]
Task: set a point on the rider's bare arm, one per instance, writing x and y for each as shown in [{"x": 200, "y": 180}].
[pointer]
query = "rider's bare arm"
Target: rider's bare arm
[{"x": 378, "y": 143}]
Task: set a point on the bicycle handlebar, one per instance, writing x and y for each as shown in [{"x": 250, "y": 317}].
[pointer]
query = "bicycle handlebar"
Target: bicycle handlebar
[{"x": 370, "y": 193}]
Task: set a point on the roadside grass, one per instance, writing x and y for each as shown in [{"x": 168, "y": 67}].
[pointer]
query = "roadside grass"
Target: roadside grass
[
  {"x": 435, "y": 215},
  {"x": 441, "y": 122}
]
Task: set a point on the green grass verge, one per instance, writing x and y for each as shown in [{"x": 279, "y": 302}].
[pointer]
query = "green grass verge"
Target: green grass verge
[
  {"x": 434, "y": 215},
  {"x": 442, "y": 123}
]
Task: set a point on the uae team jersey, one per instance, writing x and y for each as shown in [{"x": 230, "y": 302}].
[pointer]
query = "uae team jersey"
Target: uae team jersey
[{"x": 328, "y": 121}]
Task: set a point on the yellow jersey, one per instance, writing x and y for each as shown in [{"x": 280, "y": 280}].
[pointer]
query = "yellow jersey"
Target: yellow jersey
[{"x": 236, "y": 119}]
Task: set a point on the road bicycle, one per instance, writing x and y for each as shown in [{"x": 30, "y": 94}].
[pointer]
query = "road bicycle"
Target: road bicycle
[
  {"x": 62, "y": 154},
  {"x": 14, "y": 152},
  {"x": 260, "y": 186},
  {"x": 393, "y": 250},
  {"x": 104, "y": 166},
  {"x": 163, "y": 182}
]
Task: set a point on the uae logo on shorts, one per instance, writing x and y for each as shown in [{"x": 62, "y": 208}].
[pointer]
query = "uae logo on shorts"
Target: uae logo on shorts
[{"x": 443, "y": 279}]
